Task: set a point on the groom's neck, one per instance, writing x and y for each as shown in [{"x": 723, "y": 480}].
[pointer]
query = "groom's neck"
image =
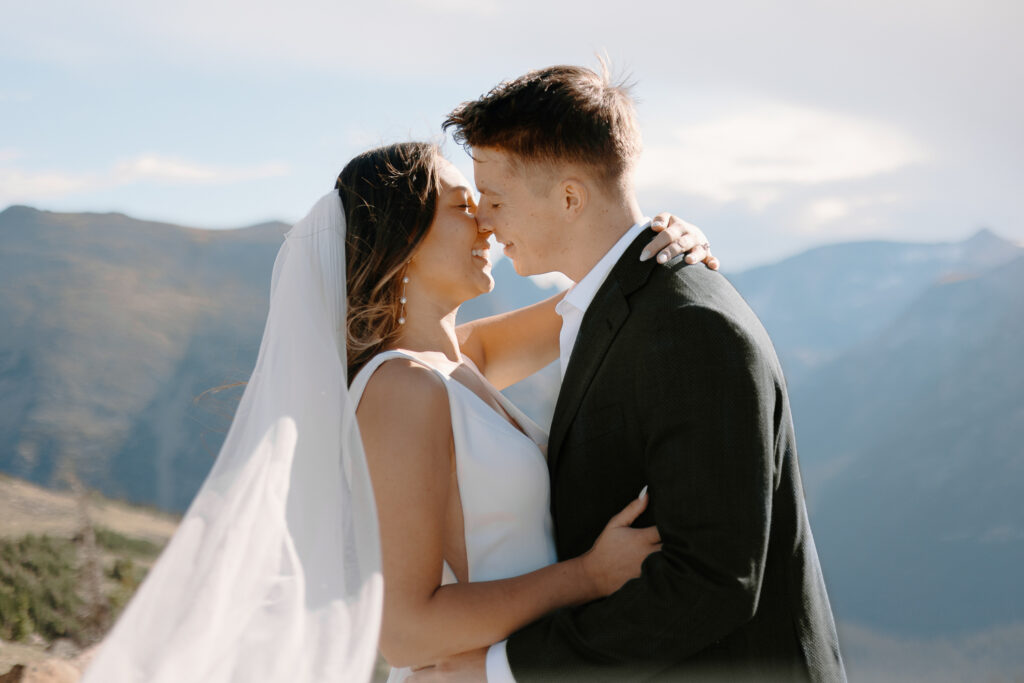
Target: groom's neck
[{"x": 608, "y": 218}]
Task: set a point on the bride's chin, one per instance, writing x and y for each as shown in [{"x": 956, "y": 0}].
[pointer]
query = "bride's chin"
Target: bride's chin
[
  {"x": 484, "y": 286},
  {"x": 490, "y": 284}
]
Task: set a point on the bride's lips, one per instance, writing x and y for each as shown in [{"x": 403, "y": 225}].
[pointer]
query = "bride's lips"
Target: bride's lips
[{"x": 482, "y": 255}]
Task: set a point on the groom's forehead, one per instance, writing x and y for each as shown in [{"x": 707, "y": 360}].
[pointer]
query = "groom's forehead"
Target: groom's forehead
[
  {"x": 493, "y": 160},
  {"x": 496, "y": 171},
  {"x": 489, "y": 182}
]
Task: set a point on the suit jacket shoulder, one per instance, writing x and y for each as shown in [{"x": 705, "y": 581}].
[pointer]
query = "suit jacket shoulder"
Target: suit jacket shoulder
[{"x": 703, "y": 301}]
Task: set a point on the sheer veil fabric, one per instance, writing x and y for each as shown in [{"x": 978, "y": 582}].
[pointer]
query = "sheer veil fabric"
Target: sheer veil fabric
[{"x": 274, "y": 573}]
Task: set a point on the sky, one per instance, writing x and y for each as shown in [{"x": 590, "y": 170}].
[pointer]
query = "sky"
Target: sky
[{"x": 775, "y": 126}]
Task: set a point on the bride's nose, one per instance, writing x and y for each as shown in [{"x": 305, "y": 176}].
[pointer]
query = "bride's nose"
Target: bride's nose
[{"x": 482, "y": 228}]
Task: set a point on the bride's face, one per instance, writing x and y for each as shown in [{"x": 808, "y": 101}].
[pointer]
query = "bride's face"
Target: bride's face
[{"x": 452, "y": 264}]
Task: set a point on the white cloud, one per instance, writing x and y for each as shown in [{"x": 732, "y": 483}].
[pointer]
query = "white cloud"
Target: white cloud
[
  {"x": 18, "y": 185},
  {"x": 149, "y": 167},
  {"x": 156, "y": 168},
  {"x": 755, "y": 155},
  {"x": 852, "y": 212},
  {"x": 825, "y": 210}
]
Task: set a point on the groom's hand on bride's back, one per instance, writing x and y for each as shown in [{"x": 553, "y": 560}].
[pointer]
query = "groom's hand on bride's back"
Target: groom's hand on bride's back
[{"x": 676, "y": 236}]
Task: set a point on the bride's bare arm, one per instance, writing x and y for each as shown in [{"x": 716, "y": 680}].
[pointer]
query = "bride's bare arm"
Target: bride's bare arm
[
  {"x": 510, "y": 346},
  {"x": 405, "y": 423}
]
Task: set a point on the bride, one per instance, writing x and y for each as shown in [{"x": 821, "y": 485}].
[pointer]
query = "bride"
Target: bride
[{"x": 372, "y": 448}]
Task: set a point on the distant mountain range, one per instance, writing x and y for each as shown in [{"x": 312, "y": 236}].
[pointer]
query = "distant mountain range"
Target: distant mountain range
[
  {"x": 915, "y": 459},
  {"x": 903, "y": 361},
  {"x": 112, "y": 326},
  {"x": 907, "y": 384},
  {"x": 826, "y": 300}
]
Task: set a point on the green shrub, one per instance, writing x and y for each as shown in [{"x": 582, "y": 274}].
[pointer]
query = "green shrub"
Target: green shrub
[
  {"x": 41, "y": 590},
  {"x": 37, "y": 588},
  {"x": 119, "y": 543}
]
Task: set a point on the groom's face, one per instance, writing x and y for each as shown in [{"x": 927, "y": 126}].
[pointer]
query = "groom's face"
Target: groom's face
[{"x": 519, "y": 209}]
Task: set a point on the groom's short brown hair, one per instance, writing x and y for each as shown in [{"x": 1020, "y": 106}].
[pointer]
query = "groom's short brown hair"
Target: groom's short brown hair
[{"x": 557, "y": 114}]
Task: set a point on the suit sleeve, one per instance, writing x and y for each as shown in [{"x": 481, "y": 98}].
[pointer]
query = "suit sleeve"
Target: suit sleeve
[{"x": 705, "y": 396}]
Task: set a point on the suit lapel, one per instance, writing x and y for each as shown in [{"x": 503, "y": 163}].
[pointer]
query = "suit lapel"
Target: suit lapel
[{"x": 601, "y": 322}]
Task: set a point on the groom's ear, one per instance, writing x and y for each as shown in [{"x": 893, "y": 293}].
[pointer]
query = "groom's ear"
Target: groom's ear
[{"x": 573, "y": 196}]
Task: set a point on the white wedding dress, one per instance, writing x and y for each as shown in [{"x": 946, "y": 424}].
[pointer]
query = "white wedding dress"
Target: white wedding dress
[{"x": 502, "y": 479}]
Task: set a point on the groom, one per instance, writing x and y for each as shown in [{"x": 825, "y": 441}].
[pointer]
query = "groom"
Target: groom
[{"x": 736, "y": 592}]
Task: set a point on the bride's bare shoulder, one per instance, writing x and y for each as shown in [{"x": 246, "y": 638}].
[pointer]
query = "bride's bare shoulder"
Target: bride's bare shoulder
[
  {"x": 403, "y": 396},
  {"x": 404, "y": 374}
]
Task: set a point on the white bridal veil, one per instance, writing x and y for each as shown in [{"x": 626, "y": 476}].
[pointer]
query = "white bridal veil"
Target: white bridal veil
[{"x": 274, "y": 573}]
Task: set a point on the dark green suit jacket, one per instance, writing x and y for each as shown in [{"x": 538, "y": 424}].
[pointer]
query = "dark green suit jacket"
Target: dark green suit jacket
[{"x": 674, "y": 383}]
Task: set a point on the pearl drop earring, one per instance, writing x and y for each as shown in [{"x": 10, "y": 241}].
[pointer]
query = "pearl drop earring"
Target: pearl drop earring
[{"x": 402, "y": 300}]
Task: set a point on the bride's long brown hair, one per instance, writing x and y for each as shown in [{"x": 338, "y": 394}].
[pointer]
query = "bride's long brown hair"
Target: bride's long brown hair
[{"x": 390, "y": 197}]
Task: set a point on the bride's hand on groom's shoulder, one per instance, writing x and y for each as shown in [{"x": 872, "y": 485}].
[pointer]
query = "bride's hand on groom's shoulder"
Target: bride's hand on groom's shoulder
[
  {"x": 620, "y": 550},
  {"x": 676, "y": 236}
]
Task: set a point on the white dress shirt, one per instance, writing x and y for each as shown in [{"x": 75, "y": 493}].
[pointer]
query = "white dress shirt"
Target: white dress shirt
[
  {"x": 577, "y": 300},
  {"x": 572, "y": 308}
]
